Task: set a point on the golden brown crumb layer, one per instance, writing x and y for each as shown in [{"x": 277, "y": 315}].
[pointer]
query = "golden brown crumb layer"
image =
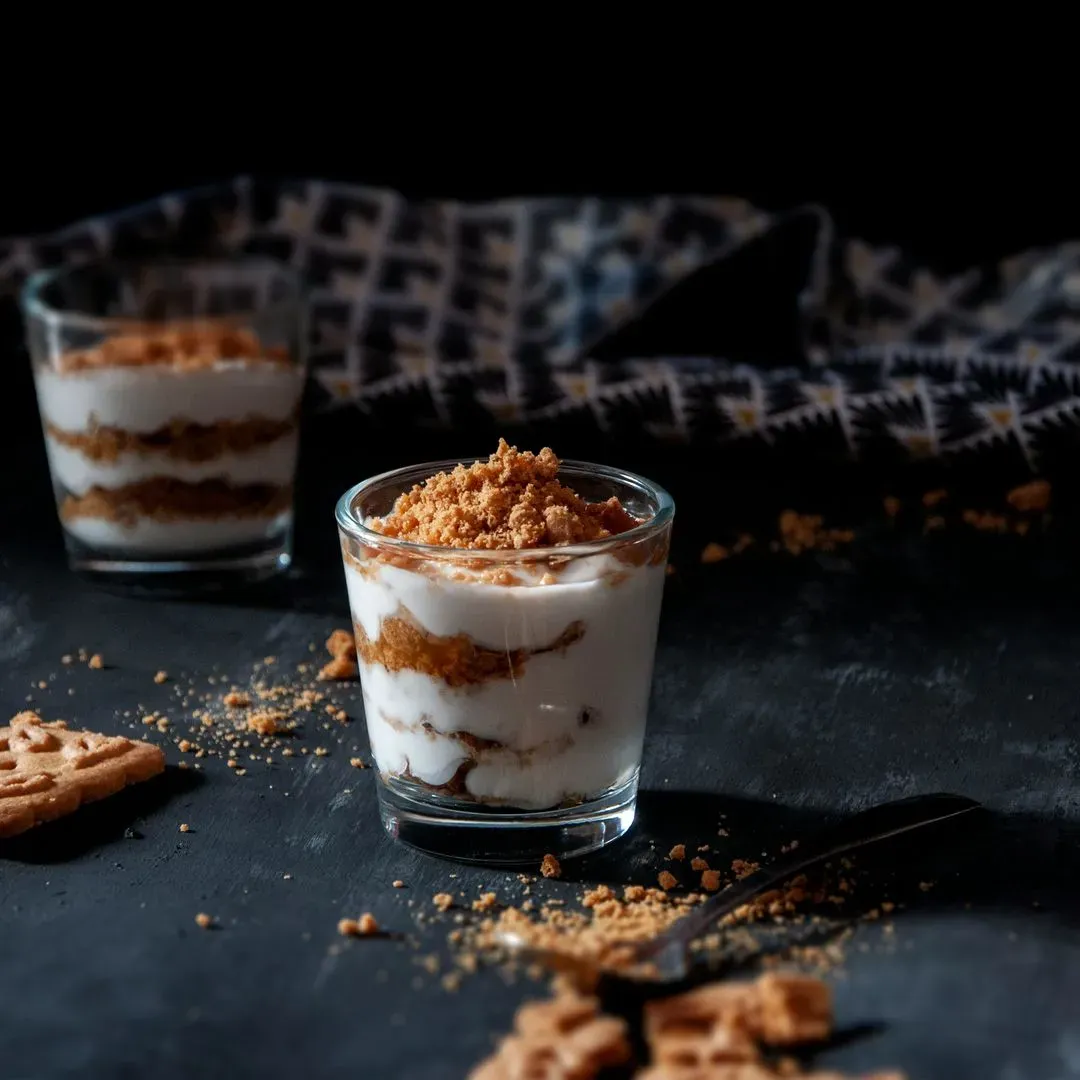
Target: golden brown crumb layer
[
  {"x": 187, "y": 346},
  {"x": 512, "y": 501},
  {"x": 165, "y": 499},
  {"x": 179, "y": 440},
  {"x": 457, "y": 660}
]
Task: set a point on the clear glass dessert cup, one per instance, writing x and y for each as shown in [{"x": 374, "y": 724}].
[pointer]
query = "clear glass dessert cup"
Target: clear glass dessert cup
[
  {"x": 506, "y": 692},
  {"x": 169, "y": 395}
]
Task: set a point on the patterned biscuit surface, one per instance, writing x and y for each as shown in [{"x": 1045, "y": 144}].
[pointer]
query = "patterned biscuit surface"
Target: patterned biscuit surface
[{"x": 47, "y": 771}]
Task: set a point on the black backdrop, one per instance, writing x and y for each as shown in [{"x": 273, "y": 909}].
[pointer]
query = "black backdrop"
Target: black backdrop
[{"x": 950, "y": 204}]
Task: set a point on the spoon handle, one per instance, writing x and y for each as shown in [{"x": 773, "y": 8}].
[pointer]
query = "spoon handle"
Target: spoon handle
[{"x": 858, "y": 830}]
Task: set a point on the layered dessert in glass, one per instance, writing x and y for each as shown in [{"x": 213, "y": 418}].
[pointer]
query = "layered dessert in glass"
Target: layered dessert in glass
[
  {"x": 169, "y": 400},
  {"x": 505, "y": 613}
]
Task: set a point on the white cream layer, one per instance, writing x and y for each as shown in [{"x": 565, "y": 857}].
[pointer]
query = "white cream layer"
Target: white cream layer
[
  {"x": 550, "y": 754},
  {"x": 174, "y": 538},
  {"x": 146, "y": 399},
  {"x": 274, "y": 463}
]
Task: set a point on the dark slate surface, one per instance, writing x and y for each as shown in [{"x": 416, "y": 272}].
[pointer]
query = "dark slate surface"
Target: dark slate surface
[{"x": 787, "y": 691}]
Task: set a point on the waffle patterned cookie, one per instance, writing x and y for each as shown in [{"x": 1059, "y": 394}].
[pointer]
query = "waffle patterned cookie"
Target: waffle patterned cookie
[
  {"x": 562, "y": 1039},
  {"x": 724, "y": 1022},
  {"x": 714, "y": 1032},
  {"x": 47, "y": 771},
  {"x": 747, "y": 1071}
]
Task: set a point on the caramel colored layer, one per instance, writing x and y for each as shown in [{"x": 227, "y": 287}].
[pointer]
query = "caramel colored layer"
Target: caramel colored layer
[
  {"x": 187, "y": 346},
  {"x": 402, "y": 645},
  {"x": 164, "y": 499},
  {"x": 365, "y": 560},
  {"x": 180, "y": 440}
]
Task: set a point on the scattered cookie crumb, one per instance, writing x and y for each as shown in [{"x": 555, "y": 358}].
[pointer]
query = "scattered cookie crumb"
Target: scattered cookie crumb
[
  {"x": 550, "y": 867},
  {"x": 341, "y": 643},
  {"x": 485, "y": 902},
  {"x": 236, "y": 699},
  {"x": 714, "y": 553},
  {"x": 678, "y": 852},
  {"x": 337, "y": 670},
  {"x": 1031, "y": 497},
  {"x": 398, "y": 884},
  {"x": 161, "y": 676},
  {"x": 342, "y": 648},
  {"x": 365, "y": 926},
  {"x": 266, "y": 721},
  {"x": 698, "y": 863},
  {"x": 710, "y": 880},
  {"x": 185, "y": 827},
  {"x": 932, "y": 498},
  {"x": 443, "y": 901},
  {"x": 204, "y": 921},
  {"x": 806, "y": 532},
  {"x": 357, "y": 763},
  {"x": 926, "y": 886},
  {"x": 667, "y": 880},
  {"x": 892, "y": 506},
  {"x": 96, "y": 662}
]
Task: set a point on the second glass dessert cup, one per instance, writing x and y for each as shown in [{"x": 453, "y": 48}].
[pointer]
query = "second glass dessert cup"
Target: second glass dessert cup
[
  {"x": 169, "y": 395},
  {"x": 506, "y": 691}
]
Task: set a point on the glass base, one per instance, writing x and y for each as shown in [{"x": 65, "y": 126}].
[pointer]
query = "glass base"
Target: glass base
[
  {"x": 470, "y": 832},
  {"x": 180, "y": 577}
]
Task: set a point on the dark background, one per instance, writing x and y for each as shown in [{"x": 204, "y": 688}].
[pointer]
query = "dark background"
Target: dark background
[
  {"x": 951, "y": 194},
  {"x": 784, "y": 688}
]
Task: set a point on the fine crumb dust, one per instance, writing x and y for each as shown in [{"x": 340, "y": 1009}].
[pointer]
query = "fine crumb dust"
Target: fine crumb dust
[
  {"x": 511, "y": 501},
  {"x": 251, "y": 726}
]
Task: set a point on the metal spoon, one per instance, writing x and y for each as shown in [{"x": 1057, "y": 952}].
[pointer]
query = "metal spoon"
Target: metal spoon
[{"x": 664, "y": 958}]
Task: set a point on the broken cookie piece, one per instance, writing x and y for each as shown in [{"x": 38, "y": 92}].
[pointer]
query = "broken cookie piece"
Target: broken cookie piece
[
  {"x": 564, "y": 1037},
  {"x": 47, "y": 771}
]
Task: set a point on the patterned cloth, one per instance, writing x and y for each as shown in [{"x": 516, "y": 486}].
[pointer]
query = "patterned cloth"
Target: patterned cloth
[{"x": 678, "y": 318}]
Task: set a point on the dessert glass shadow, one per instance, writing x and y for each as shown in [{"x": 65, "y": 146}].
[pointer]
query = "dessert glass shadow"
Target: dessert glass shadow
[
  {"x": 506, "y": 691},
  {"x": 169, "y": 396}
]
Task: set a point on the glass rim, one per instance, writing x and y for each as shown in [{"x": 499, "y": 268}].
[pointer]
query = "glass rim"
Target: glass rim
[
  {"x": 33, "y": 306},
  {"x": 349, "y": 523}
]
